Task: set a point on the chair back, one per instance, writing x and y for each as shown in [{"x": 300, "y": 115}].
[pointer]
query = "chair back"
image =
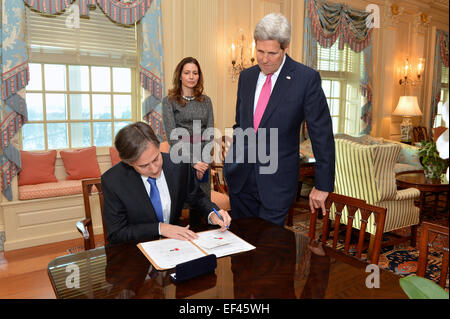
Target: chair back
[
  {"x": 92, "y": 187},
  {"x": 437, "y": 131},
  {"x": 420, "y": 133},
  {"x": 435, "y": 236},
  {"x": 218, "y": 178},
  {"x": 353, "y": 205}
]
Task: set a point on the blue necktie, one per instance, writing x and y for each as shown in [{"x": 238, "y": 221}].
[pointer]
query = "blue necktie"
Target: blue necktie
[{"x": 156, "y": 199}]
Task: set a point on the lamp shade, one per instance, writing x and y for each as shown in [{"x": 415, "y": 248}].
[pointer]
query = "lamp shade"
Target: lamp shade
[{"x": 407, "y": 106}]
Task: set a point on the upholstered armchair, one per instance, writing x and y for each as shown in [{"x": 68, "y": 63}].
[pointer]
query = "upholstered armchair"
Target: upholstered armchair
[{"x": 367, "y": 172}]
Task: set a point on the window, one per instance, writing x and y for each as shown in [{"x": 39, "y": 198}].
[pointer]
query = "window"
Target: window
[
  {"x": 83, "y": 87},
  {"x": 73, "y": 106},
  {"x": 438, "y": 121},
  {"x": 341, "y": 71}
]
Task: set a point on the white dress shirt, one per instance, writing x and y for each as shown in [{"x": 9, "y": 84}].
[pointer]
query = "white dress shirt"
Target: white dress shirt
[{"x": 262, "y": 79}]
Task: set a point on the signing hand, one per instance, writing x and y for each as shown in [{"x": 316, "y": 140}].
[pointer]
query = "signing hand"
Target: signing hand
[
  {"x": 216, "y": 220},
  {"x": 317, "y": 200},
  {"x": 177, "y": 232}
]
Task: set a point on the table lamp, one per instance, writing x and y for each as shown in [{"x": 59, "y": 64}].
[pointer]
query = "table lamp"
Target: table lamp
[{"x": 407, "y": 107}]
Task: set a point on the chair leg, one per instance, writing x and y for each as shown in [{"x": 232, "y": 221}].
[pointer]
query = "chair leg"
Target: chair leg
[
  {"x": 413, "y": 235},
  {"x": 371, "y": 245}
]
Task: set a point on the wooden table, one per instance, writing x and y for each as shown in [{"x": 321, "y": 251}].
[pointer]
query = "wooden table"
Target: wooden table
[
  {"x": 417, "y": 180},
  {"x": 281, "y": 266}
]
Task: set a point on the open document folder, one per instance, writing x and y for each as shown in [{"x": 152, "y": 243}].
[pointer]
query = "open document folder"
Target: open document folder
[{"x": 167, "y": 253}]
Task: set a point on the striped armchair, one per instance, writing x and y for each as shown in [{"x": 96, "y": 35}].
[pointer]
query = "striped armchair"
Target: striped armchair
[{"x": 367, "y": 172}]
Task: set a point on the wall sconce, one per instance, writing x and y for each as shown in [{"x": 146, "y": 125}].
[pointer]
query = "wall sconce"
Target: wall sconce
[
  {"x": 407, "y": 107},
  {"x": 242, "y": 56},
  {"x": 412, "y": 73}
]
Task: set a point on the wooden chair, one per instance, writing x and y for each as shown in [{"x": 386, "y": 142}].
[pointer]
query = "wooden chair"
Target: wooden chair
[
  {"x": 90, "y": 187},
  {"x": 420, "y": 133},
  {"x": 437, "y": 131},
  {"x": 352, "y": 205},
  {"x": 218, "y": 178},
  {"x": 431, "y": 234}
]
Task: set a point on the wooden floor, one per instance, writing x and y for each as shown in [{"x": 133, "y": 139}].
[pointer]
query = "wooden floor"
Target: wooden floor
[{"x": 23, "y": 272}]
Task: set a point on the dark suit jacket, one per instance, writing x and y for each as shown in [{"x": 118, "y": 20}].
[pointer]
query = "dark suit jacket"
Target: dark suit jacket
[
  {"x": 127, "y": 210},
  {"x": 296, "y": 96}
]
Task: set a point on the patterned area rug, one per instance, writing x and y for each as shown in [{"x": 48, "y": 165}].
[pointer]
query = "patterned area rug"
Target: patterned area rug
[{"x": 401, "y": 259}]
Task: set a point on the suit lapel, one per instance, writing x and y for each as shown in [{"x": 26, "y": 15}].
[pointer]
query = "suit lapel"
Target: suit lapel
[
  {"x": 171, "y": 185},
  {"x": 139, "y": 187},
  {"x": 279, "y": 90},
  {"x": 251, "y": 93}
]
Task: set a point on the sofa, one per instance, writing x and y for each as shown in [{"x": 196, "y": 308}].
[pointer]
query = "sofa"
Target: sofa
[{"x": 408, "y": 159}]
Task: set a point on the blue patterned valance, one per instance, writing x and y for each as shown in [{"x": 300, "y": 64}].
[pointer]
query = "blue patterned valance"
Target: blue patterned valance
[
  {"x": 332, "y": 21},
  {"x": 120, "y": 11},
  {"x": 14, "y": 78}
]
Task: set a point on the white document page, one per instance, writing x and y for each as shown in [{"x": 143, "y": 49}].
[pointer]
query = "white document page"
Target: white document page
[
  {"x": 221, "y": 243},
  {"x": 168, "y": 253}
]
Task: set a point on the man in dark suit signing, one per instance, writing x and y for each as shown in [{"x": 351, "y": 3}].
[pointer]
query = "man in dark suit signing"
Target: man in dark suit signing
[
  {"x": 274, "y": 97},
  {"x": 144, "y": 193}
]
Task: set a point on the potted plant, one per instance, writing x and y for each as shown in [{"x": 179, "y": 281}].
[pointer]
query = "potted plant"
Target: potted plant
[{"x": 433, "y": 165}]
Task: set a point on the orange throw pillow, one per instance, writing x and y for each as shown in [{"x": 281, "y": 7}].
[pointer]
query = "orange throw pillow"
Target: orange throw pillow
[
  {"x": 114, "y": 154},
  {"x": 37, "y": 167},
  {"x": 81, "y": 163}
]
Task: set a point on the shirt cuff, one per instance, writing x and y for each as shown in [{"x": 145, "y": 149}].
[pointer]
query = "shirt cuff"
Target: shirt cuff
[
  {"x": 209, "y": 220},
  {"x": 159, "y": 229}
]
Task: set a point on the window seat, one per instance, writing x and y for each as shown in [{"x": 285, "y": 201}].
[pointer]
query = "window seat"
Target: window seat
[
  {"x": 48, "y": 212},
  {"x": 47, "y": 190}
]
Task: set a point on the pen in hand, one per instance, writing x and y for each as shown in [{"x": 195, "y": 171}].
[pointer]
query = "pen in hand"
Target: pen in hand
[{"x": 220, "y": 217}]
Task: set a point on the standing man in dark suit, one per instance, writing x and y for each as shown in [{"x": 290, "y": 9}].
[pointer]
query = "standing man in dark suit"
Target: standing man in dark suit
[
  {"x": 274, "y": 97},
  {"x": 144, "y": 193}
]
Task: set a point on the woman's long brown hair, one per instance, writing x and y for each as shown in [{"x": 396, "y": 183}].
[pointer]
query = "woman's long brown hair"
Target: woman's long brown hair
[{"x": 175, "y": 93}]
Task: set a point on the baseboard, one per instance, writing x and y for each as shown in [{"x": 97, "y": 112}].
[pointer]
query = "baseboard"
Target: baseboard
[{"x": 48, "y": 239}]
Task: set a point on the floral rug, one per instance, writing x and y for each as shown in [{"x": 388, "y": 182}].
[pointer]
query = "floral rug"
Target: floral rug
[{"x": 401, "y": 259}]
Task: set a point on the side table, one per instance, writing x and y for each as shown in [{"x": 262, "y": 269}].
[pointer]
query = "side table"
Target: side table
[{"x": 417, "y": 180}]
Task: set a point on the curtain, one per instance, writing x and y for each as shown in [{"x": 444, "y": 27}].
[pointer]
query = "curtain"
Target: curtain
[
  {"x": 15, "y": 73},
  {"x": 326, "y": 23},
  {"x": 14, "y": 78},
  {"x": 151, "y": 68},
  {"x": 440, "y": 59}
]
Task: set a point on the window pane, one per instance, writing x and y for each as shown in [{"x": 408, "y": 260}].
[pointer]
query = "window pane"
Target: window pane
[
  {"x": 35, "y": 82},
  {"x": 101, "y": 79},
  {"x": 326, "y": 86},
  {"x": 336, "y": 89},
  {"x": 121, "y": 80},
  {"x": 122, "y": 106},
  {"x": 80, "y": 134},
  {"x": 56, "y": 107},
  {"x": 101, "y": 106},
  {"x": 57, "y": 135},
  {"x": 35, "y": 106},
  {"x": 33, "y": 137},
  {"x": 118, "y": 126},
  {"x": 80, "y": 107},
  {"x": 55, "y": 77},
  {"x": 334, "y": 107},
  {"x": 78, "y": 78},
  {"x": 335, "y": 125},
  {"x": 102, "y": 134}
]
